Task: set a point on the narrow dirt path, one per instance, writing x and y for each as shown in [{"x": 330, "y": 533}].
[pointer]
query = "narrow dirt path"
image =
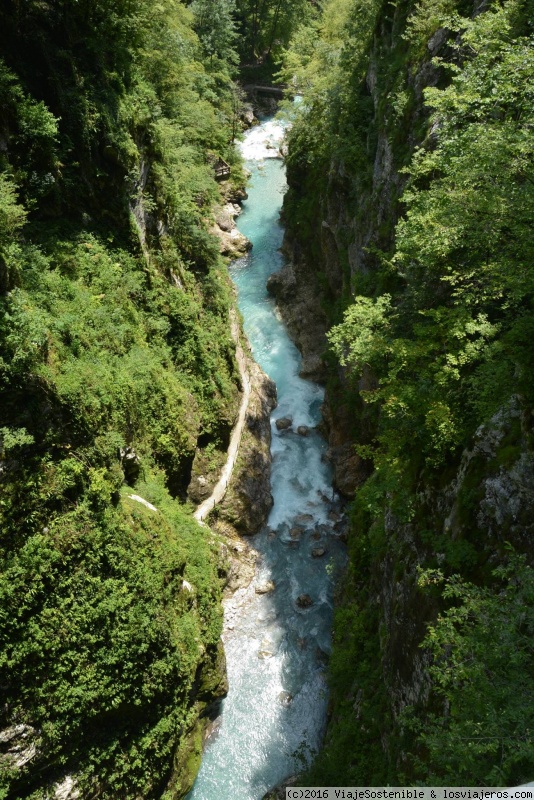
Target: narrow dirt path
[{"x": 222, "y": 484}]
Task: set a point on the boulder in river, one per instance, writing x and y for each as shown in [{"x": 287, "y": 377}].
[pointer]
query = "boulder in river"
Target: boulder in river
[
  {"x": 283, "y": 423},
  {"x": 296, "y": 532},
  {"x": 267, "y": 649},
  {"x": 304, "y": 601},
  {"x": 285, "y": 699},
  {"x": 303, "y": 519},
  {"x": 318, "y": 552},
  {"x": 303, "y": 430},
  {"x": 225, "y": 219},
  {"x": 265, "y": 587}
]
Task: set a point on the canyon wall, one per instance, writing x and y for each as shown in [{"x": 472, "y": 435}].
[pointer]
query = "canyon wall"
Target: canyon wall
[{"x": 461, "y": 518}]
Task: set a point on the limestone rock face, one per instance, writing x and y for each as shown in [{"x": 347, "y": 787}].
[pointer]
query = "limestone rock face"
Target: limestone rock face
[
  {"x": 247, "y": 115},
  {"x": 200, "y": 488},
  {"x": 248, "y": 500},
  {"x": 232, "y": 243},
  {"x": 488, "y": 502},
  {"x": 19, "y": 744},
  {"x": 350, "y": 470},
  {"x": 67, "y": 789},
  {"x": 130, "y": 463},
  {"x": 225, "y": 217},
  {"x": 505, "y": 508},
  {"x": 299, "y": 303},
  {"x": 238, "y": 557}
]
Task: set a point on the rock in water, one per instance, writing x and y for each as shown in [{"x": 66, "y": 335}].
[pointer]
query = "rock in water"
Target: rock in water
[
  {"x": 266, "y": 649},
  {"x": 304, "y": 601},
  {"x": 283, "y": 423},
  {"x": 303, "y": 430},
  {"x": 285, "y": 699},
  {"x": 318, "y": 552},
  {"x": 265, "y": 587},
  {"x": 303, "y": 519},
  {"x": 279, "y": 792}
]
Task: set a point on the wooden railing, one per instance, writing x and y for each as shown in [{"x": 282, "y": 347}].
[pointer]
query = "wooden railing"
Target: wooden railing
[{"x": 221, "y": 169}]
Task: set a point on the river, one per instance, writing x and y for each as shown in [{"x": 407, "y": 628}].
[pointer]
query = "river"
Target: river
[{"x": 274, "y": 716}]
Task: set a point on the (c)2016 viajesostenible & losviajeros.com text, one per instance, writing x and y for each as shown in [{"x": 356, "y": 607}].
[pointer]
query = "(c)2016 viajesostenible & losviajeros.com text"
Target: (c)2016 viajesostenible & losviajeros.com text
[{"x": 411, "y": 793}]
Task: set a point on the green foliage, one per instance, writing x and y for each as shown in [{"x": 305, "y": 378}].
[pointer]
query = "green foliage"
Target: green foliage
[
  {"x": 114, "y": 333},
  {"x": 463, "y": 252},
  {"x": 12, "y": 218},
  {"x": 33, "y": 142},
  {"x": 361, "y": 339},
  {"x": 436, "y": 338},
  {"x": 12, "y": 438},
  {"x": 482, "y": 677},
  {"x": 325, "y": 63},
  {"x": 214, "y": 24},
  {"x": 12, "y": 215},
  {"x": 102, "y": 645},
  {"x": 266, "y": 26}
]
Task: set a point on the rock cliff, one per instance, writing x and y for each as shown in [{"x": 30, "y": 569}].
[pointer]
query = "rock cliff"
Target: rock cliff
[{"x": 341, "y": 213}]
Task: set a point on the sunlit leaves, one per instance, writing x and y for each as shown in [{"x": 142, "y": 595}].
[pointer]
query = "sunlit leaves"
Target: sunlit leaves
[
  {"x": 361, "y": 338},
  {"x": 463, "y": 249},
  {"x": 482, "y": 675}
]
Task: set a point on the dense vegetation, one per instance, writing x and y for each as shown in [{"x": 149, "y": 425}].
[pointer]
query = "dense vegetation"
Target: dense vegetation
[
  {"x": 266, "y": 26},
  {"x": 434, "y": 329},
  {"x": 116, "y": 363},
  {"x": 117, "y": 369}
]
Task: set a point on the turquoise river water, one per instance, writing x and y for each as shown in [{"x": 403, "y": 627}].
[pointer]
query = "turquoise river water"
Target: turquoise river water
[{"x": 273, "y": 718}]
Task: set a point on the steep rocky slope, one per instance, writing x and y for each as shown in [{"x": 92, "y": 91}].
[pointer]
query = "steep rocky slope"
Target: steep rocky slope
[
  {"x": 401, "y": 711},
  {"x": 117, "y": 378}
]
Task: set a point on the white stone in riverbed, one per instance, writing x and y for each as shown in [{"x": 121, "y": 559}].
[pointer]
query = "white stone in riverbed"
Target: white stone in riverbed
[
  {"x": 267, "y": 649},
  {"x": 285, "y": 699},
  {"x": 265, "y": 587},
  {"x": 269, "y": 615}
]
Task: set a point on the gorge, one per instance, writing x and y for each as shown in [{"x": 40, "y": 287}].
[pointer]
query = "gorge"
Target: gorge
[
  {"x": 405, "y": 282},
  {"x": 276, "y": 644}
]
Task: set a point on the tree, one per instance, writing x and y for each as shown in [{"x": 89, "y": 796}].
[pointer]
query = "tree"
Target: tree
[
  {"x": 482, "y": 673},
  {"x": 214, "y": 24}
]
